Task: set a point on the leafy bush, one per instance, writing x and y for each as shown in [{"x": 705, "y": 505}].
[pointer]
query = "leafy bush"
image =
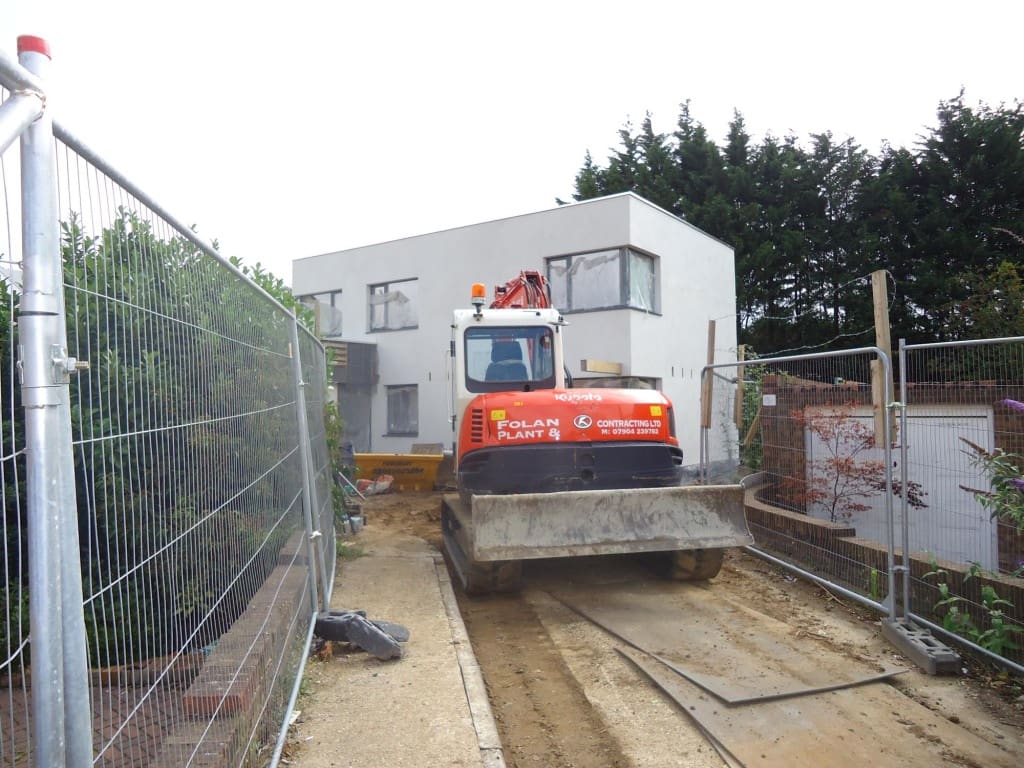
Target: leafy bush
[
  {"x": 1004, "y": 498},
  {"x": 997, "y": 636},
  {"x": 185, "y": 432}
]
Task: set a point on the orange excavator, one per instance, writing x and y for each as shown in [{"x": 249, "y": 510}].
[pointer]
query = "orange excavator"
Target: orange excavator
[{"x": 544, "y": 469}]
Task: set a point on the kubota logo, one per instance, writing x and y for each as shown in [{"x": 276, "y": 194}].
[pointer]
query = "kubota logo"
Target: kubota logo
[{"x": 582, "y": 421}]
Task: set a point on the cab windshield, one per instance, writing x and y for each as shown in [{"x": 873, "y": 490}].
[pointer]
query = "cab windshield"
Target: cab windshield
[{"x": 520, "y": 358}]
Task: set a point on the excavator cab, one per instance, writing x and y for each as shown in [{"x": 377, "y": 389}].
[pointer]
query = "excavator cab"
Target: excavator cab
[{"x": 503, "y": 350}]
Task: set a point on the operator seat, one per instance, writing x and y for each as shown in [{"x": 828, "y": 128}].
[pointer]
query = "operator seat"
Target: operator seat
[{"x": 506, "y": 362}]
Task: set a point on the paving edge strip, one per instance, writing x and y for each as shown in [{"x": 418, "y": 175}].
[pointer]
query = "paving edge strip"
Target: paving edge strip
[{"x": 472, "y": 679}]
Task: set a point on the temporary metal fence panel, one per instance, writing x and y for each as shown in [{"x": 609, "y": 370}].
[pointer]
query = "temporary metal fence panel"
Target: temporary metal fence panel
[
  {"x": 720, "y": 439},
  {"x": 953, "y": 463},
  {"x": 964, "y": 458},
  {"x": 184, "y": 484},
  {"x": 807, "y": 424}
]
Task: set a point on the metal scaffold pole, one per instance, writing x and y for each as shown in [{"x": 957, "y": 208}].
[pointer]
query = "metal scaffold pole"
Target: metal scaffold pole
[
  {"x": 308, "y": 487},
  {"x": 61, "y": 718}
]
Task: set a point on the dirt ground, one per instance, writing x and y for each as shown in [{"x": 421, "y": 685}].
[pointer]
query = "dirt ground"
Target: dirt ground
[{"x": 563, "y": 697}]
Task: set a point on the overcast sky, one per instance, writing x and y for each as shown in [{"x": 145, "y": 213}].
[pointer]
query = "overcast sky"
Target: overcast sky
[{"x": 289, "y": 129}]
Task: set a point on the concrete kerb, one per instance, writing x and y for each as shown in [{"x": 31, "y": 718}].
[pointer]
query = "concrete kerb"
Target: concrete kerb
[{"x": 472, "y": 679}]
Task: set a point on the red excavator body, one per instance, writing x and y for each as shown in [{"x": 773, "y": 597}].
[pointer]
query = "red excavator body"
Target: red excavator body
[{"x": 548, "y": 470}]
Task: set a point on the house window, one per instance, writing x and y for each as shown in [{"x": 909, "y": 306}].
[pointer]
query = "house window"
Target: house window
[
  {"x": 641, "y": 280},
  {"x": 620, "y": 277},
  {"x": 394, "y": 305},
  {"x": 403, "y": 410},
  {"x": 327, "y": 308}
]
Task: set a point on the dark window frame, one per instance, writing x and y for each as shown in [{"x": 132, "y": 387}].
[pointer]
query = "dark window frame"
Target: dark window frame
[{"x": 393, "y": 428}]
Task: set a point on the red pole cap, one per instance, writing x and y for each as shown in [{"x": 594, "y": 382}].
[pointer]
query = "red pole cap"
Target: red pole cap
[{"x": 34, "y": 44}]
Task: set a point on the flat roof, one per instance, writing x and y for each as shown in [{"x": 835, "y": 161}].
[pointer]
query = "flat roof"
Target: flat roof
[{"x": 589, "y": 201}]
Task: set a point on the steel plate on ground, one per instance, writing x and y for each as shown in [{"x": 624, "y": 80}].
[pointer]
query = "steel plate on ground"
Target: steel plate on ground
[
  {"x": 738, "y": 654},
  {"x": 840, "y": 728}
]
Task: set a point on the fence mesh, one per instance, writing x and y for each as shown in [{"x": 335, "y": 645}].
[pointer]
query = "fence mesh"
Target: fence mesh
[
  {"x": 721, "y": 442},
  {"x": 964, "y": 448},
  {"x": 196, "y": 568},
  {"x": 189, "y": 482},
  {"x": 808, "y": 424},
  {"x": 955, "y": 473}
]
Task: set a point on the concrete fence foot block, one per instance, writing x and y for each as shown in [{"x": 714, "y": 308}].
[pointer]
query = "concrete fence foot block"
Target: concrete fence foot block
[{"x": 918, "y": 645}]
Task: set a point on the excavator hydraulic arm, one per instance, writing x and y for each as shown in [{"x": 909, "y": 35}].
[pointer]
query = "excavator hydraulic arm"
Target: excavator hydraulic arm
[{"x": 528, "y": 290}]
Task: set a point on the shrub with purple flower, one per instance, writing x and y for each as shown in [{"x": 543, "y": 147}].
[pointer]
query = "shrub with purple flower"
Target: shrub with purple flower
[{"x": 1005, "y": 497}]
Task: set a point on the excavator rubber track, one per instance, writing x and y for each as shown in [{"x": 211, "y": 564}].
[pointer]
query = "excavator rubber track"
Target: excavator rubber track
[{"x": 476, "y": 577}]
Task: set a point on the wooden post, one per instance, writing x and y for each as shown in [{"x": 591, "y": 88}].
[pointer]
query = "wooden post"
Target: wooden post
[
  {"x": 741, "y": 355},
  {"x": 754, "y": 425},
  {"x": 705, "y": 390},
  {"x": 880, "y": 295}
]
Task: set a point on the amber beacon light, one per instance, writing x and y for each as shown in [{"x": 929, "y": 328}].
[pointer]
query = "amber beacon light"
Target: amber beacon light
[{"x": 479, "y": 295}]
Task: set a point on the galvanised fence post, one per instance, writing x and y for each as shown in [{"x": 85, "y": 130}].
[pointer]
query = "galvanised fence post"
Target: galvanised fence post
[
  {"x": 61, "y": 719},
  {"x": 886, "y": 363},
  {"x": 904, "y": 476},
  {"x": 308, "y": 487}
]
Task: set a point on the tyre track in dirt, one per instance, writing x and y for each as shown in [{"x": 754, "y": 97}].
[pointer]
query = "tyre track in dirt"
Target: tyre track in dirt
[{"x": 543, "y": 716}]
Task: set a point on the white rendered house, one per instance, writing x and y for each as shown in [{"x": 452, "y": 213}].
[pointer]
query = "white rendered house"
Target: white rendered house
[{"x": 637, "y": 285}]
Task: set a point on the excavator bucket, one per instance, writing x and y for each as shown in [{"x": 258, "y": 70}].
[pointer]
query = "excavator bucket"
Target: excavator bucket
[
  {"x": 507, "y": 529},
  {"x": 532, "y": 525}
]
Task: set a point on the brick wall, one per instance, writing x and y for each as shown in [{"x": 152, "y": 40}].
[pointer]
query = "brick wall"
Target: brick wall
[{"x": 240, "y": 691}]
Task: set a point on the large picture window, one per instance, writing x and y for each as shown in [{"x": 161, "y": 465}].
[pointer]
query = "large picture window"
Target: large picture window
[
  {"x": 403, "y": 410},
  {"x": 394, "y": 305},
  {"x": 619, "y": 277}
]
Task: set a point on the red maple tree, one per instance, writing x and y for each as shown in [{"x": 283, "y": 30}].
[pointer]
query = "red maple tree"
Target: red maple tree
[{"x": 844, "y": 479}]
